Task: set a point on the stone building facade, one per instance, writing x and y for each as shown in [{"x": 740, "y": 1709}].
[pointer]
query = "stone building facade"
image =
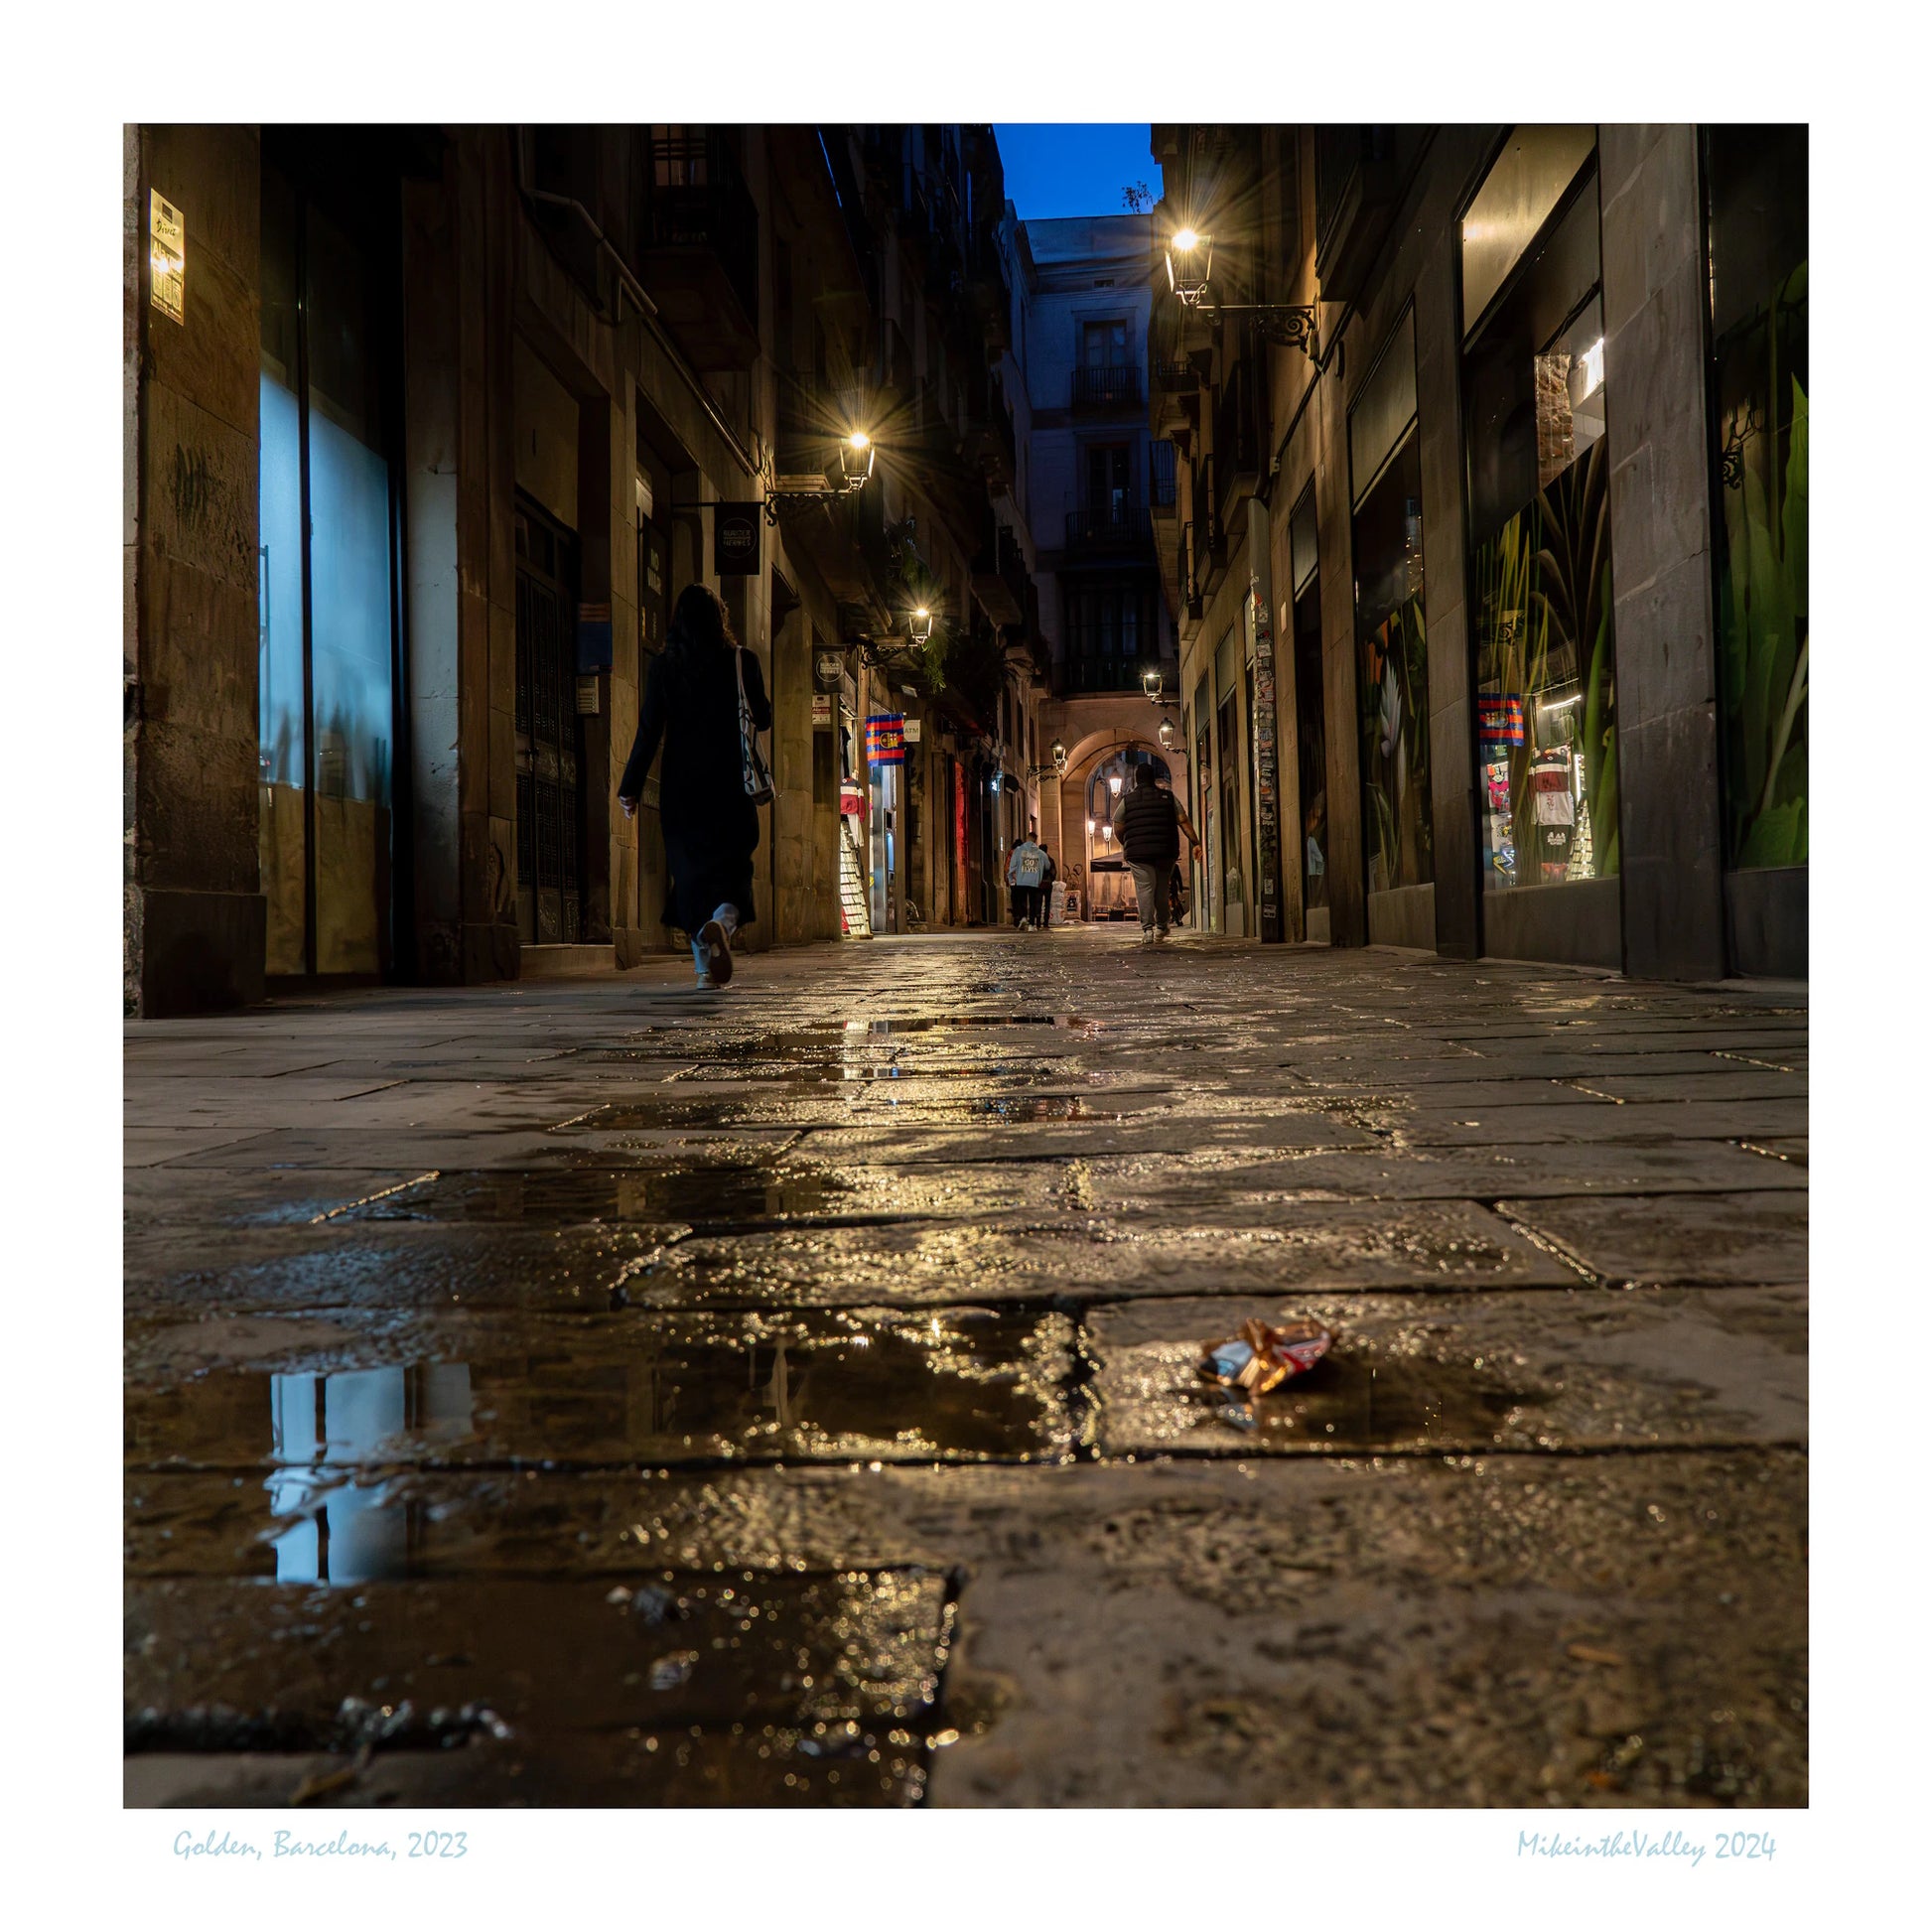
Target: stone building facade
[
  {"x": 1491, "y": 459},
  {"x": 1101, "y": 497},
  {"x": 426, "y": 428}
]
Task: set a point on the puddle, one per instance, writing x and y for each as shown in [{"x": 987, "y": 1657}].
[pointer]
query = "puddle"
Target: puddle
[
  {"x": 1356, "y": 1399},
  {"x": 948, "y": 1023},
  {"x": 1035, "y": 1107},
  {"x": 560, "y": 1196},
  {"x": 958, "y": 1385}
]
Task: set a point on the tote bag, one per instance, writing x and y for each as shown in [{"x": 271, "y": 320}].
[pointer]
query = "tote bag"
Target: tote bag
[{"x": 757, "y": 775}]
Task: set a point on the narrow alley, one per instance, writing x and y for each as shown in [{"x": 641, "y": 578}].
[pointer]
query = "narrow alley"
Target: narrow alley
[{"x": 599, "y": 1390}]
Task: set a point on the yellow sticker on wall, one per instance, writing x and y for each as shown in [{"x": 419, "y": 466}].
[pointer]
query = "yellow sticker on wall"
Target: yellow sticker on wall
[{"x": 167, "y": 257}]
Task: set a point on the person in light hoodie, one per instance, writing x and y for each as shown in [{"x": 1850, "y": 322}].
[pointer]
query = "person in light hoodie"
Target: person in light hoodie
[{"x": 1026, "y": 869}]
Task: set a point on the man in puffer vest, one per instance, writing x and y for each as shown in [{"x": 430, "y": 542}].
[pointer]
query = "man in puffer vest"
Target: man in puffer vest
[{"x": 1148, "y": 823}]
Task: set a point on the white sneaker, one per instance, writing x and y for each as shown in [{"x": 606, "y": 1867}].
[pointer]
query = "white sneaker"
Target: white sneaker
[
  {"x": 1146, "y": 936},
  {"x": 713, "y": 937}
]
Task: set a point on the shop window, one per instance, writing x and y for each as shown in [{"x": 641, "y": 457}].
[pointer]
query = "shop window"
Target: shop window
[
  {"x": 1535, "y": 402},
  {"x": 1392, "y": 677},
  {"x": 1757, "y": 189},
  {"x": 326, "y": 584},
  {"x": 1311, "y": 736}
]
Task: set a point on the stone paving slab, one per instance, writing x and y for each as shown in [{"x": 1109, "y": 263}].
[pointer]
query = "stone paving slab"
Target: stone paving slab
[
  {"x": 818, "y": 1672},
  {"x": 341, "y": 1265},
  {"x": 1200, "y": 1185},
  {"x": 1587, "y": 1369},
  {"x": 1454, "y": 1245},
  {"x": 1651, "y": 1124},
  {"x": 1753, "y": 1237}
]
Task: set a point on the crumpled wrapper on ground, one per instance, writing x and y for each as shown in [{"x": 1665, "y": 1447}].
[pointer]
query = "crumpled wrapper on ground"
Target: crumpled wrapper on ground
[{"x": 1261, "y": 1357}]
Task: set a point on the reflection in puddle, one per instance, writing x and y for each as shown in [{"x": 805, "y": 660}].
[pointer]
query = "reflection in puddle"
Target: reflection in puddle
[
  {"x": 561, "y": 1196},
  {"x": 958, "y": 1385},
  {"x": 323, "y": 1423}
]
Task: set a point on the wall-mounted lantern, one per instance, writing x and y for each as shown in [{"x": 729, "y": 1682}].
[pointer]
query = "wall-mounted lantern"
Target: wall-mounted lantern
[
  {"x": 855, "y": 453},
  {"x": 919, "y": 625},
  {"x": 1166, "y": 734},
  {"x": 1189, "y": 254}
]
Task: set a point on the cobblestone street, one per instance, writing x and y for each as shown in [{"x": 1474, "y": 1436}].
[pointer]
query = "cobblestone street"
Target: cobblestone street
[{"x": 604, "y": 1392}]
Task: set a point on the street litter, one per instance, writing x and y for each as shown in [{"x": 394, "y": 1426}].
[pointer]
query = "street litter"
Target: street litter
[{"x": 1261, "y": 1357}]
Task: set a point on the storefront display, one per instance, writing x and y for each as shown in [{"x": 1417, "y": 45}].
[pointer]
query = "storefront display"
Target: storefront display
[
  {"x": 1757, "y": 186},
  {"x": 1392, "y": 677},
  {"x": 1541, "y": 600},
  {"x": 1312, "y": 739}
]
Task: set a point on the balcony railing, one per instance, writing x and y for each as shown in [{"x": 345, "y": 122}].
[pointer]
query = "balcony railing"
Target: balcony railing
[
  {"x": 1205, "y": 515},
  {"x": 1161, "y": 476},
  {"x": 1177, "y": 378},
  {"x": 1109, "y": 531},
  {"x": 1108, "y": 387},
  {"x": 1090, "y": 672},
  {"x": 698, "y": 199}
]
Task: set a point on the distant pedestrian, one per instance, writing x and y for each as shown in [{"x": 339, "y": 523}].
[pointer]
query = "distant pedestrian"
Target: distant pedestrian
[
  {"x": 709, "y": 815},
  {"x": 1046, "y": 892},
  {"x": 1025, "y": 870},
  {"x": 1148, "y": 823}
]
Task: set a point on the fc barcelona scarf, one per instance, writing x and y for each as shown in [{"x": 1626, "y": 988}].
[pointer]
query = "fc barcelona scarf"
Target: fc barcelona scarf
[{"x": 1500, "y": 718}]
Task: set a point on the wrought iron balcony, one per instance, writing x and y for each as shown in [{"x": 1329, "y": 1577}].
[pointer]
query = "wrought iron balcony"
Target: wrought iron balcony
[
  {"x": 1177, "y": 378},
  {"x": 1109, "y": 531},
  {"x": 1108, "y": 386},
  {"x": 1160, "y": 477}
]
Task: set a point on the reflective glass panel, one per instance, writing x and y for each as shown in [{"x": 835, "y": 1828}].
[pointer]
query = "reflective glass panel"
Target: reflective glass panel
[{"x": 283, "y": 717}]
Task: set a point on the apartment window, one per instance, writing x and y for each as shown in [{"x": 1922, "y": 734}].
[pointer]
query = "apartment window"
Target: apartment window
[
  {"x": 1103, "y": 345},
  {"x": 1109, "y": 484},
  {"x": 1110, "y": 633},
  {"x": 1106, "y": 377}
]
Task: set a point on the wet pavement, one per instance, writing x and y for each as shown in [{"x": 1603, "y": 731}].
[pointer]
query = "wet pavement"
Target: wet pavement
[{"x": 599, "y": 1391}]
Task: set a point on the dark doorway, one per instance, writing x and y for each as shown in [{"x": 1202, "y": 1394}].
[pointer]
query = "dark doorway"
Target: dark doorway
[{"x": 550, "y": 821}]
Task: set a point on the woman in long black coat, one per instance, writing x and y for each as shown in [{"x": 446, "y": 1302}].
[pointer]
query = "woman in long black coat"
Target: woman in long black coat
[{"x": 711, "y": 825}]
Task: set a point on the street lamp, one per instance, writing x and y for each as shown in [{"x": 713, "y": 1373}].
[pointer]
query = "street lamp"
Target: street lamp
[
  {"x": 855, "y": 453},
  {"x": 1114, "y": 783},
  {"x": 786, "y": 491},
  {"x": 920, "y": 624},
  {"x": 1189, "y": 255},
  {"x": 1058, "y": 755},
  {"x": 1151, "y": 684},
  {"x": 1166, "y": 734}
]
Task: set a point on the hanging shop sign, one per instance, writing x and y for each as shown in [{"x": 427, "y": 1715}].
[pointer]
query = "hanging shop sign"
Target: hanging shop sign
[
  {"x": 734, "y": 531},
  {"x": 821, "y": 711},
  {"x": 886, "y": 738},
  {"x": 593, "y": 638},
  {"x": 909, "y": 731},
  {"x": 828, "y": 669},
  {"x": 166, "y": 258}
]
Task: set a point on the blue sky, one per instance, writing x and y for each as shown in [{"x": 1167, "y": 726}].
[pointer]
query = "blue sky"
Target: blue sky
[{"x": 1054, "y": 169}]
